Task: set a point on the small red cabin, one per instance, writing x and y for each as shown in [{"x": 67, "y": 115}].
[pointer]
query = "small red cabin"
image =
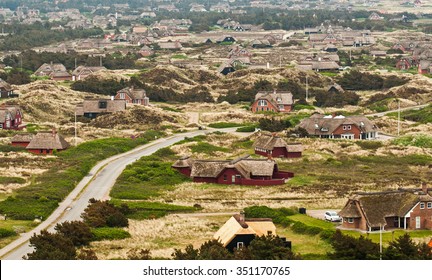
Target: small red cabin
[{"x": 274, "y": 146}]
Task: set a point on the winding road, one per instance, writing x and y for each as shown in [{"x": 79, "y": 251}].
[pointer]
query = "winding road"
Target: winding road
[{"x": 97, "y": 184}]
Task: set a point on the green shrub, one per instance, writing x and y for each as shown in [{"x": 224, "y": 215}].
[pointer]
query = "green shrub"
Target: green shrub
[
  {"x": 369, "y": 145},
  {"x": 418, "y": 140},
  {"x": 224, "y": 125},
  {"x": 107, "y": 233},
  {"x": 11, "y": 180},
  {"x": 7, "y": 233},
  {"x": 9, "y": 148},
  {"x": 206, "y": 148},
  {"x": 250, "y": 128}
]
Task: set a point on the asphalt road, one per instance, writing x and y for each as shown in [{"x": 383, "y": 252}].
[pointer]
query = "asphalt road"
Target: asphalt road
[
  {"x": 97, "y": 184},
  {"x": 417, "y": 107}
]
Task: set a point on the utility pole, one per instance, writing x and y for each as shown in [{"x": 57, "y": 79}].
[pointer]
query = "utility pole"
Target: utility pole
[
  {"x": 75, "y": 62},
  {"x": 381, "y": 241},
  {"x": 398, "y": 132},
  {"x": 307, "y": 88},
  {"x": 100, "y": 61},
  {"x": 75, "y": 126}
]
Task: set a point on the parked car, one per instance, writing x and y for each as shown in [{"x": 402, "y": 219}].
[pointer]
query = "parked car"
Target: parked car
[{"x": 332, "y": 216}]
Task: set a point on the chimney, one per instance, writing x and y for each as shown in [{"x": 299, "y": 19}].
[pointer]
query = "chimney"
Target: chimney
[
  {"x": 112, "y": 97},
  {"x": 269, "y": 157},
  {"x": 268, "y": 65},
  {"x": 54, "y": 132},
  {"x": 424, "y": 188},
  {"x": 242, "y": 217},
  {"x": 274, "y": 91},
  {"x": 333, "y": 115}
]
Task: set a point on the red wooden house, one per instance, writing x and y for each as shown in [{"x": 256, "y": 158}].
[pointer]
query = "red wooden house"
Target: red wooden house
[
  {"x": 273, "y": 102},
  {"x": 10, "y": 117},
  {"x": 133, "y": 95},
  {"x": 22, "y": 140},
  {"x": 46, "y": 142},
  {"x": 406, "y": 209},
  {"x": 5, "y": 89},
  {"x": 274, "y": 146},
  {"x": 241, "y": 171}
]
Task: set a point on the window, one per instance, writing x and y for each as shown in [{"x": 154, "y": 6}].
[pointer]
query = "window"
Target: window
[
  {"x": 102, "y": 104},
  {"x": 262, "y": 103},
  {"x": 429, "y": 205},
  {"x": 225, "y": 177},
  {"x": 240, "y": 245},
  {"x": 281, "y": 108},
  {"x": 350, "y": 220},
  {"x": 122, "y": 95},
  {"x": 422, "y": 205},
  {"x": 346, "y": 127}
]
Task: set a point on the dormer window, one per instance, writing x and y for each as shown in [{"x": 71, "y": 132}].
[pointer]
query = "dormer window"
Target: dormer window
[
  {"x": 422, "y": 205},
  {"x": 346, "y": 127},
  {"x": 102, "y": 104},
  {"x": 279, "y": 99}
]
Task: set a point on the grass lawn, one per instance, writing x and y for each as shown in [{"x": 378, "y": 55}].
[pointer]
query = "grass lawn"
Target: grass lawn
[
  {"x": 14, "y": 225},
  {"x": 389, "y": 235},
  {"x": 309, "y": 246},
  {"x": 312, "y": 221}
]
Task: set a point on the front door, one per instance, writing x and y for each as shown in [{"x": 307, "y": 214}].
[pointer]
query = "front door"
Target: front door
[
  {"x": 418, "y": 222},
  {"x": 233, "y": 179}
]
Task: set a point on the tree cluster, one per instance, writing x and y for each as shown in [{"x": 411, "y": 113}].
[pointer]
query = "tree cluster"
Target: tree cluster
[
  {"x": 23, "y": 37},
  {"x": 325, "y": 98},
  {"x": 403, "y": 248},
  {"x": 268, "y": 247},
  {"x": 62, "y": 245},
  {"x": 356, "y": 80},
  {"x": 103, "y": 213}
]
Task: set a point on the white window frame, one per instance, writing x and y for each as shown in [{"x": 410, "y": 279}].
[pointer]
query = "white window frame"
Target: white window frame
[
  {"x": 418, "y": 222},
  {"x": 240, "y": 245},
  {"x": 422, "y": 205},
  {"x": 262, "y": 103},
  {"x": 429, "y": 205},
  {"x": 281, "y": 107},
  {"x": 350, "y": 220},
  {"x": 122, "y": 95}
]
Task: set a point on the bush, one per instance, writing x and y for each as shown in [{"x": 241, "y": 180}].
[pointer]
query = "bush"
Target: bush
[
  {"x": 6, "y": 233},
  {"x": 250, "y": 128},
  {"x": 107, "y": 233},
  {"x": 78, "y": 232},
  {"x": 420, "y": 140},
  {"x": 224, "y": 125},
  {"x": 103, "y": 213}
]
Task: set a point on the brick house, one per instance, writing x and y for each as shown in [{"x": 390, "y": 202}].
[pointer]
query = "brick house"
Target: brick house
[
  {"x": 132, "y": 95},
  {"x": 339, "y": 127},
  {"x": 91, "y": 108},
  {"x": 46, "y": 142},
  {"x": 239, "y": 231},
  {"x": 404, "y": 63},
  {"x": 241, "y": 171},
  {"x": 280, "y": 102},
  {"x": 10, "y": 117},
  {"x": 274, "y": 146},
  {"x": 405, "y": 209}
]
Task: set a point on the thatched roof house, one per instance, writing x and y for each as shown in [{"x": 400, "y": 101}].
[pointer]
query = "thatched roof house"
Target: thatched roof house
[
  {"x": 241, "y": 171},
  {"x": 239, "y": 231},
  {"x": 45, "y": 142},
  {"x": 274, "y": 146},
  {"x": 132, "y": 95},
  {"x": 22, "y": 139},
  {"x": 407, "y": 209},
  {"x": 334, "y": 127},
  {"x": 91, "y": 108}
]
